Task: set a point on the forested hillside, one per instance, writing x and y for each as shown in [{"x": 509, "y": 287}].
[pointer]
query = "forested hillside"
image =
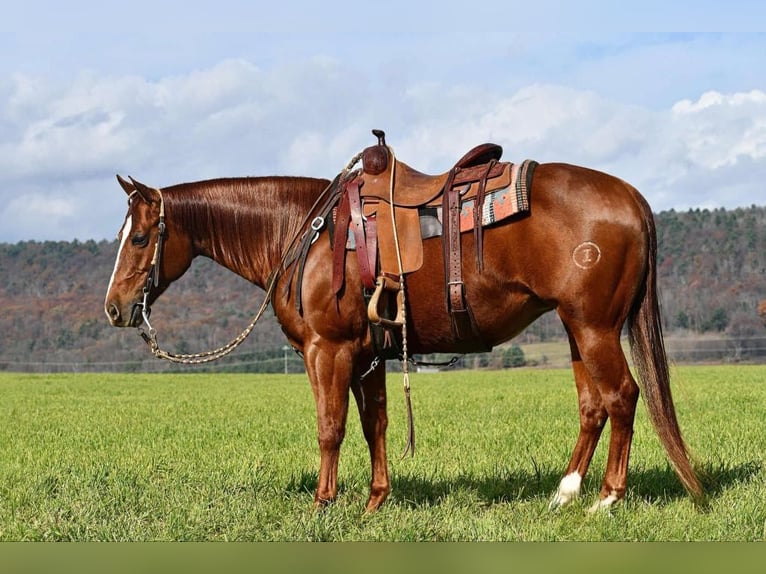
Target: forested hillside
[
  {"x": 712, "y": 269},
  {"x": 52, "y": 296}
]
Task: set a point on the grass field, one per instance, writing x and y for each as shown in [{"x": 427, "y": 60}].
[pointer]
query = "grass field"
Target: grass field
[{"x": 234, "y": 457}]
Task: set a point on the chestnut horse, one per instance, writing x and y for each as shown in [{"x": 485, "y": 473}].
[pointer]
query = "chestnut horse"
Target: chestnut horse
[{"x": 587, "y": 249}]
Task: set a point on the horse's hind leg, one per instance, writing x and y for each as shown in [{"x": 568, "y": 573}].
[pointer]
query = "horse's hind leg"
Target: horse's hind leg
[
  {"x": 607, "y": 377},
  {"x": 619, "y": 391},
  {"x": 593, "y": 417},
  {"x": 370, "y": 395}
]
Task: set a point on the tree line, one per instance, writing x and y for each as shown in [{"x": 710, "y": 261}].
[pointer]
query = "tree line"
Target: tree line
[{"x": 712, "y": 278}]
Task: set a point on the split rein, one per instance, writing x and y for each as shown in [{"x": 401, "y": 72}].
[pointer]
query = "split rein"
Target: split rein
[{"x": 149, "y": 334}]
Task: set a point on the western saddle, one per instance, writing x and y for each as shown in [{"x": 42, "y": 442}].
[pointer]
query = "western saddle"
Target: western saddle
[{"x": 381, "y": 206}]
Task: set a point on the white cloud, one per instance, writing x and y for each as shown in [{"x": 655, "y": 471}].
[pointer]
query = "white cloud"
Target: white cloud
[
  {"x": 44, "y": 208},
  {"x": 722, "y": 129},
  {"x": 671, "y": 155},
  {"x": 311, "y": 152},
  {"x": 62, "y": 143},
  {"x": 44, "y": 214}
]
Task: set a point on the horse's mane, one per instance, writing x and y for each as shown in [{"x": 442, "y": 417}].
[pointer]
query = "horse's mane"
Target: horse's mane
[{"x": 245, "y": 218}]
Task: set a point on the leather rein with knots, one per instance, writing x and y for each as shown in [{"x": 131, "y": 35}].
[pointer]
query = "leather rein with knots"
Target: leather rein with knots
[{"x": 149, "y": 334}]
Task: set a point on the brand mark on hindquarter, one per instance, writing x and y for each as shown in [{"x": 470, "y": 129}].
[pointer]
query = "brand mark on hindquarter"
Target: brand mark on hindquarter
[{"x": 586, "y": 255}]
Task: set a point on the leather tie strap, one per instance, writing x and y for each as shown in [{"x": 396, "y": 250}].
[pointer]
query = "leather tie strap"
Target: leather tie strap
[
  {"x": 365, "y": 255},
  {"x": 478, "y": 214},
  {"x": 342, "y": 220},
  {"x": 455, "y": 281},
  {"x": 372, "y": 245},
  {"x": 462, "y": 322},
  {"x": 452, "y": 255}
]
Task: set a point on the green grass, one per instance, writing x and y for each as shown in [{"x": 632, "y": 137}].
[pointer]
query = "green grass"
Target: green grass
[{"x": 234, "y": 457}]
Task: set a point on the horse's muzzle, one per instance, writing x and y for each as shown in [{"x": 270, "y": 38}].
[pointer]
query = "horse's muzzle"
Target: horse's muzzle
[
  {"x": 118, "y": 319},
  {"x": 136, "y": 315}
]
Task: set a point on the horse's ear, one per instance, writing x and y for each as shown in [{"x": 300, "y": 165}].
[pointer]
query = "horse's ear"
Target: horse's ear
[
  {"x": 126, "y": 185},
  {"x": 148, "y": 194}
]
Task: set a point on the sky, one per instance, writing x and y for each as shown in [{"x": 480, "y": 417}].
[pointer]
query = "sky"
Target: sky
[{"x": 175, "y": 91}]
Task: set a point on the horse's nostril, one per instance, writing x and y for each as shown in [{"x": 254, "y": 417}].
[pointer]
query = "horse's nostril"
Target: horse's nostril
[{"x": 113, "y": 312}]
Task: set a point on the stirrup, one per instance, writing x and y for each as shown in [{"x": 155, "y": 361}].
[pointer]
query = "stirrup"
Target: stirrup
[{"x": 372, "y": 308}]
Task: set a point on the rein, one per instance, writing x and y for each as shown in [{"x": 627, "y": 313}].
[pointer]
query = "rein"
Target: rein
[{"x": 149, "y": 335}]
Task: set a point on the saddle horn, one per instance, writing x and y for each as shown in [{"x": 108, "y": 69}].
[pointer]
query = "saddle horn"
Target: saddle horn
[
  {"x": 381, "y": 135},
  {"x": 375, "y": 158}
]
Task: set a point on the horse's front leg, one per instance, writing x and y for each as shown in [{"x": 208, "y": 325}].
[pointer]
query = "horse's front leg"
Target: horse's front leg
[
  {"x": 370, "y": 395},
  {"x": 329, "y": 367}
]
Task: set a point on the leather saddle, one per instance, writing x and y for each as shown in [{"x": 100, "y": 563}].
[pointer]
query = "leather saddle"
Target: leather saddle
[
  {"x": 415, "y": 189},
  {"x": 477, "y": 172},
  {"x": 381, "y": 206}
]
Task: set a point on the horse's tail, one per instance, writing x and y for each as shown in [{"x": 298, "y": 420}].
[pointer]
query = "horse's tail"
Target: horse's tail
[{"x": 651, "y": 363}]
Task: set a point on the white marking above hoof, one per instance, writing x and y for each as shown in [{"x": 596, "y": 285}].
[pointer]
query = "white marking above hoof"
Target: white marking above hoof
[
  {"x": 604, "y": 504},
  {"x": 569, "y": 489}
]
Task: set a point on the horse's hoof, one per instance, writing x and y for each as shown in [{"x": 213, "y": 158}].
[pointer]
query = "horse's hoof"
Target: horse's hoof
[
  {"x": 322, "y": 503},
  {"x": 604, "y": 504},
  {"x": 376, "y": 501}
]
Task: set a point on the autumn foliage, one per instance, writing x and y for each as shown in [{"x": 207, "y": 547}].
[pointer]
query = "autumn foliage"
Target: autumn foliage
[{"x": 712, "y": 275}]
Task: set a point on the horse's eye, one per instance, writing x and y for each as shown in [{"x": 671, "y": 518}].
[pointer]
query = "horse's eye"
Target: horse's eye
[{"x": 140, "y": 240}]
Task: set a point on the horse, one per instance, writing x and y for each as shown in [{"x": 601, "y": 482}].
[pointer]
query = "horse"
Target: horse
[{"x": 587, "y": 250}]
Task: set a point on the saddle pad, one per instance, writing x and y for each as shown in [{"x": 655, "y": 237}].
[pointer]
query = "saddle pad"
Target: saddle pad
[
  {"x": 498, "y": 205},
  {"x": 501, "y": 203}
]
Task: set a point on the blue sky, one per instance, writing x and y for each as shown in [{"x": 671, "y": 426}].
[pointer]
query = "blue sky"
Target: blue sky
[{"x": 180, "y": 91}]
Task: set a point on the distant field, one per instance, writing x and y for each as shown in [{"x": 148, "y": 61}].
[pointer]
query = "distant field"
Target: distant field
[
  {"x": 234, "y": 457},
  {"x": 683, "y": 350},
  {"x": 554, "y": 354}
]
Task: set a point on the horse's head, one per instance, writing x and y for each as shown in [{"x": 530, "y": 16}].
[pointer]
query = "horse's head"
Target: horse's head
[{"x": 151, "y": 255}]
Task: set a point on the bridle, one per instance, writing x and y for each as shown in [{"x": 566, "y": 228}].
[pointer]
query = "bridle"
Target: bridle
[
  {"x": 149, "y": 334},
  {"x": 153, "y": 277}
]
